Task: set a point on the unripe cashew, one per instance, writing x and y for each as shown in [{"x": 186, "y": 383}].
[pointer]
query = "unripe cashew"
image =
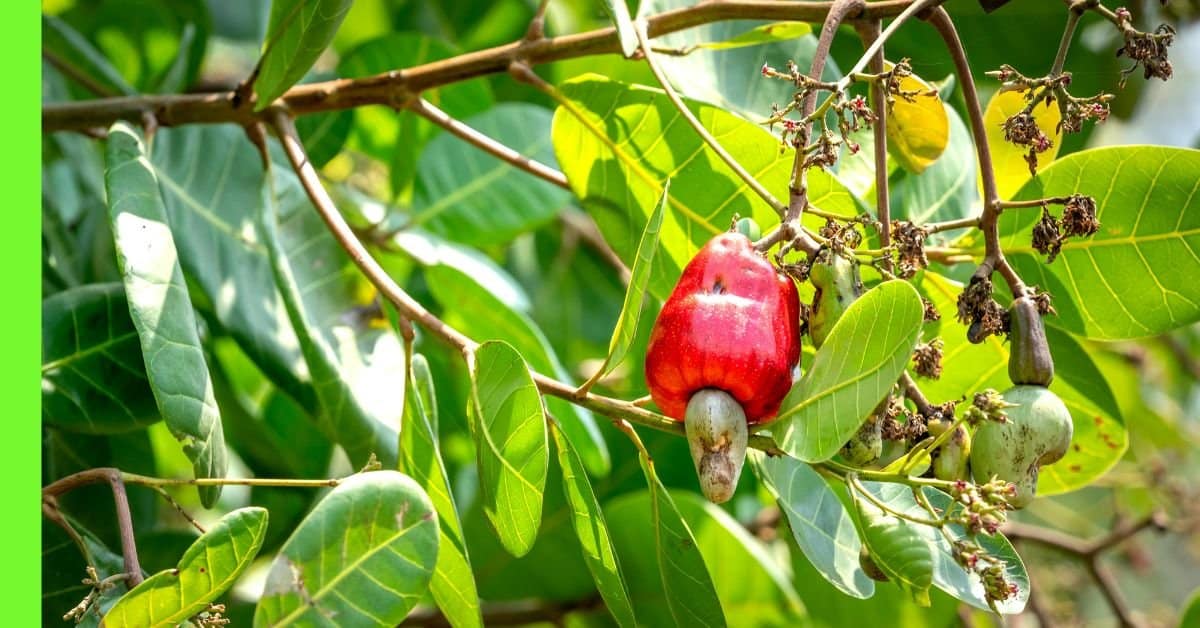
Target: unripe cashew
[{"x": 1038, "y": 432}]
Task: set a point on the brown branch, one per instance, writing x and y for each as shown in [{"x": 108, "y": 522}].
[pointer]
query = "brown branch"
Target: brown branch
[
  {"x": 869, "y": 32},
  {"x": 1090, "y": 552},
  {"x": 397, "y": 86},
  {"x": 994, "y": 259},
  {"x": 124, "y": 520}
]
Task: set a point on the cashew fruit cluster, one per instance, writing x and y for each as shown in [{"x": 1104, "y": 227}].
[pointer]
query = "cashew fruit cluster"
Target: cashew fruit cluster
[
  {"x": 1038, "y": 429},
  {"x": 722, "y": 354}
]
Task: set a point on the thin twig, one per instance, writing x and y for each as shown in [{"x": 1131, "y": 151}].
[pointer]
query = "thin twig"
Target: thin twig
[
  {"x": 427, "y": 110},
  {"x": 162, "y": 492},
  {"x": 77, "y": 75},
  {"x": 583, "y": 226},
  {"x": 173, "y": 110},
  {"x": 869, "y": 32}
]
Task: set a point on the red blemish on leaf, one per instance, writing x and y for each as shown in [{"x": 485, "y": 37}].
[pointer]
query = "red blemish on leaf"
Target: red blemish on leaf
[
  {"x": 1076, "y": 468},
  {"x": 1098, "y": 420},
  {"x": 1077, "y": 447}
]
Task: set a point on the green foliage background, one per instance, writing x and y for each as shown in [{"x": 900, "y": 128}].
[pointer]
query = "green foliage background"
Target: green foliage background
[{"x": 291, "y": 368}]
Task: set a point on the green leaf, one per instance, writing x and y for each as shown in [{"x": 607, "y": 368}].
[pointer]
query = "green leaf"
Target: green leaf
[
  {"x": 453, "y": 583},
  {"x": 297, "y": 34},
  {"x": 820, "y": 525},
  {"x": 625, "y": 331},
  {"x": 509, "y": 426},
  {"x": 465, "y": 281},
  {"x": 619, "y": 143},
  {"x": 765, "y": 34},
  {"x": 592, "y": 532},
  {"x": 93, "y": 375},
  {"x": 946, "y": 188},
  {"x": 470, "y": 196},
  {"x": 1134, "y": 277},
  {"x": 160, "y": 307},
  {"x": 1100, "y": 437},
  {"x": 207, "y": 569},
  {"x": 352, "y": 369},
  {"x": 1008, "y": 159},
  {"x": 852, "y": 371},
  {"x": 897, "y": 547},
  {"x": 1190, "y": 616},
  {"x": 212, "y": 180},
  {"x": 728, "y": 76},
  {"x": 686, "y": 581},
  {"x": 947, "y": 574},
  {"x": 325, "y": 134},
  {"x": 618, "y": 12},
  {"x": 72, "y": 48},
  {"x": 917, "y": 131},
  {"x": 364, "y": 556}
]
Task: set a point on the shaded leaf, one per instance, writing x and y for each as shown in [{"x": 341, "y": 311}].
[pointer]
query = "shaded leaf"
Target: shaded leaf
[
  {"x": 897, "y": 547},
  {"x": 1134, "y": 277},
  {"x": 470, "y": 196},
  {"x": 352, "y": 368},
  {"x": 63, "y": 41},
  {"x": 297, "y": 34},
  {"x": 64, "y": 565},
  {"x": 947, "y": 574},
  {"x": 509, "y": 426},
  {"x": 453, "y": 583},
  {"x": 820, "y": 525},
  {"x": 1008, "y": 159},
  {"x": 592, "y": 532},
  {"x": 619, "y": 143},
  {"x": 93, "y": 374},
  {"x": 686, "y": 581},
  {"x": 852, "y": 371},
  {"x": 161, "y": 308},
  {"x": 207, "y": 569},
  {"x": 363, "y": 556}
]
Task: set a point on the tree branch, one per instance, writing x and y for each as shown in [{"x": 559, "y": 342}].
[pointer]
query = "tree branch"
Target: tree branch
[
  {"x": 1090, "y": 553},
  {"x": 993, "y": 256},
  {"x": 124, "y": 520},
  {"x": 396, "y": 87}
]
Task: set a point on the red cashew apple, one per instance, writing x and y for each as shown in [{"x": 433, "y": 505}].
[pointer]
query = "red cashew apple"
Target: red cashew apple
[{"x": 722, "y": 353}]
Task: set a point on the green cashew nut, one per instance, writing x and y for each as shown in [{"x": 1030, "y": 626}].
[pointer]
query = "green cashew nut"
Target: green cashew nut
[
  {"x": 1037, "y": 433},
  {"x": 837, "y": 285},
  {"x": 1030, "y": 361},
  {"x": 950, "y": 458}
]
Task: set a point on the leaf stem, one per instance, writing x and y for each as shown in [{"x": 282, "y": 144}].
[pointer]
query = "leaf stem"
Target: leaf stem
[{"x": 855, "y": 485}]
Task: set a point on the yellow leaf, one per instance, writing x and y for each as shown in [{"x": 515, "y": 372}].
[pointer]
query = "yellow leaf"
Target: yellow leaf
[
  {"x": 917, "y": 131},
  {"x": 1008, "y": 159}
]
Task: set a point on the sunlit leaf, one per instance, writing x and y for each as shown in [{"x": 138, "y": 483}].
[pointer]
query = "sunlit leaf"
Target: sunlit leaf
[
  {"x": 1008, "y": 159},
  {"x": 765, "y": 34},
  {"x": 363, "y": 556},
  {"x": 207, "y": 569},
  {"x": 1135, "y": 277},
  {"x": 852, "y": 371},
  {"x": 453, "y": 584},
  {"x": 917, "y": 131},
  {"x": 161, "y": 308},
  {"x": 509, "y": 426},
  {"x": 297, "y": 34}
]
